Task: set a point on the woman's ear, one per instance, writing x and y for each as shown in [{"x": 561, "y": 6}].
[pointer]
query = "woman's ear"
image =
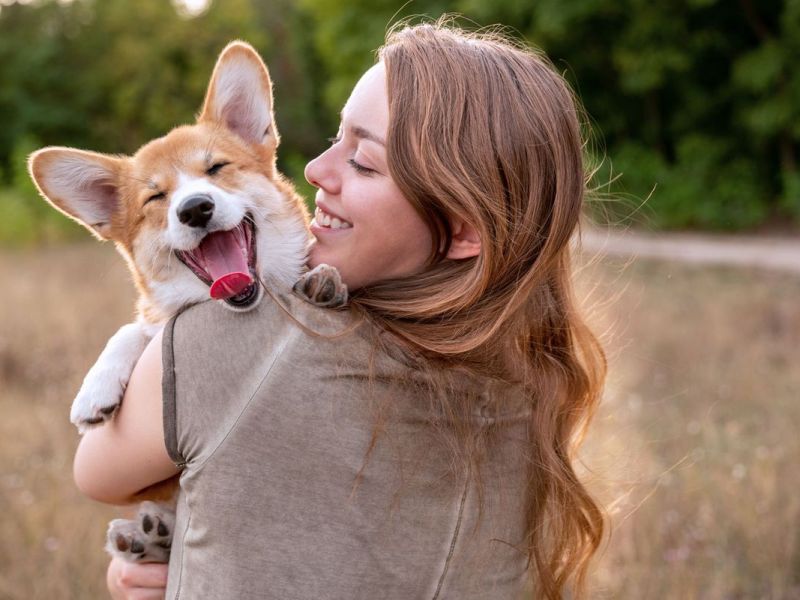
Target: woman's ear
[{"x": 466, "y": 241}]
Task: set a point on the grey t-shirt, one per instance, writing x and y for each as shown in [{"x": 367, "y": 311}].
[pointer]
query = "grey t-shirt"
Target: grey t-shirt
[{"x": 270, "y": 414}]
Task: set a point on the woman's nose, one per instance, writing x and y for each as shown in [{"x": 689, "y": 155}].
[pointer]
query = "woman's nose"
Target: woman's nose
[{"x": 320, "y": 174}]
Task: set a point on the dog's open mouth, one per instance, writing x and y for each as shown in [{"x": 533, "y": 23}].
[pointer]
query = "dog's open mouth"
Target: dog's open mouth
[{"x": 226, "y": 262}]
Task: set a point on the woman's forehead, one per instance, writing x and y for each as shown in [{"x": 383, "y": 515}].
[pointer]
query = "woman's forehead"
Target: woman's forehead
[{"x": 368, "y": 105}]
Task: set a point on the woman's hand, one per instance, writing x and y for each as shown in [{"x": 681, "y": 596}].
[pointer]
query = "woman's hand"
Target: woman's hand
[{"x": 132, "y": 581}]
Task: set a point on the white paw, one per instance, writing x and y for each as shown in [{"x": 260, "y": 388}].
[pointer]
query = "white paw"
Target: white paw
[
  {"x": 148, "y": 538},
  {"x": 98, "y": 398}
]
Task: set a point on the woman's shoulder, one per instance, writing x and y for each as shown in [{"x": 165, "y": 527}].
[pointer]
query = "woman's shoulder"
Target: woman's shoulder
[
  {"x": 275, "y": 309},
  {"x": 210, "y": 331}
]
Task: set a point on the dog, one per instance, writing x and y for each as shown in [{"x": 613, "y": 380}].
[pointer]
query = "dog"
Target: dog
[{"x": 201, "y": 212}]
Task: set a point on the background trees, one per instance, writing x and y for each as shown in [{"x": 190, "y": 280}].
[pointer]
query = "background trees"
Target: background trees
[{"x": 696, "y": 101}]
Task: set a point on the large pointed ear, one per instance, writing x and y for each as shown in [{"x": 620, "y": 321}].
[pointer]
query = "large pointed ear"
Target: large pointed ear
[
  {"x": 239, "y": 95},
  {"x": 83, "y": 185}
]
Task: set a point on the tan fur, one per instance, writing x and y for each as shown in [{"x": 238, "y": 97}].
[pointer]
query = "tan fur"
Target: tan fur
[
  {"x": 187, "y": 149},
  {"x": 190, "y": 149}
]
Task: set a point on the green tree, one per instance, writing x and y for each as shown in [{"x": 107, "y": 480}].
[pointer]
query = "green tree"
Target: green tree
[{"x": 694, "y": 100}]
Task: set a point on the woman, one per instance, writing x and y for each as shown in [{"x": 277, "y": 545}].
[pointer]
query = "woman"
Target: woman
[{"x": 419, "y": 444}]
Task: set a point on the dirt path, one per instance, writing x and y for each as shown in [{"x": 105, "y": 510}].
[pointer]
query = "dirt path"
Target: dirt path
[{"x": 781, "y": 254}]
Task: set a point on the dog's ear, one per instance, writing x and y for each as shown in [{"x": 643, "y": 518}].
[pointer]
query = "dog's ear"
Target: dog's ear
[
  {"x": 239, "y": 95},
  {"x": 83, "y": 185}
]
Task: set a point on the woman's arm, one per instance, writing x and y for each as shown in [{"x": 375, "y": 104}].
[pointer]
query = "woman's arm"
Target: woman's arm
[{"x": 128, "y": 454}]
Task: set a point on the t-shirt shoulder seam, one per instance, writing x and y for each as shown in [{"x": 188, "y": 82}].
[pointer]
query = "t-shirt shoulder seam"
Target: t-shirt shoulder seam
[{"x": 168, "y": 392}]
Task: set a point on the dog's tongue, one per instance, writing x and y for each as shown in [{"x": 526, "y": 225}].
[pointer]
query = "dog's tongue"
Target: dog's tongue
[{"x": 226, "y": 262}]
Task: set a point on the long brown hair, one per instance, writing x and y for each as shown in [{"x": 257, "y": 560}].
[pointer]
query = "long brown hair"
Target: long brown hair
[{"x": 485, "y": 129}]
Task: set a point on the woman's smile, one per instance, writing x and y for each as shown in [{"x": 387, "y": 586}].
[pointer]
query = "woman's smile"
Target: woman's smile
[{"x": 325, "y": 219}]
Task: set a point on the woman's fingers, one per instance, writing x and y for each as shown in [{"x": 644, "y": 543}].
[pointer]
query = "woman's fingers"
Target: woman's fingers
[
  {"x": 129, "y": 581},
  {"x": 145, "y": 575}
]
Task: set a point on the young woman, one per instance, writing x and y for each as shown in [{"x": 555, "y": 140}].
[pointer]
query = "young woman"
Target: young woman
[{"x": 420, "y": 444}]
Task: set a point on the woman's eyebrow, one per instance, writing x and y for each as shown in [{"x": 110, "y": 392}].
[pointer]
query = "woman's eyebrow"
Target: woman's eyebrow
[
  {"x": 365, "y": 134},
  {"x": 360, "y": 132}
]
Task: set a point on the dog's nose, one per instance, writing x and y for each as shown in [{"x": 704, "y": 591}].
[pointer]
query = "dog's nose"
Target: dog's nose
[{"x": 196, "y": 211}]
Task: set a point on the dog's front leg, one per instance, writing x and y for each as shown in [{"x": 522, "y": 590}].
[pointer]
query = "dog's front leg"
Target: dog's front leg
[{"x": 104, "y": 384}]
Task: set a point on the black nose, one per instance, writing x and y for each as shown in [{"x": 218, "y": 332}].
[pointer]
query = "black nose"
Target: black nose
[{"x": 196, "y": 211}]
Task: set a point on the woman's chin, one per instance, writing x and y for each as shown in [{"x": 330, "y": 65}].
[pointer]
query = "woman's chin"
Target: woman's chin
[{"x": 316, "y": 255}]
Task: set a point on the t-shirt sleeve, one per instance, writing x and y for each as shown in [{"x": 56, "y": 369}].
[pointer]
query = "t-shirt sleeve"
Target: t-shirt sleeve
[
  {"x": 168, "y": 392},
  {"x": 214, "y": 360}
]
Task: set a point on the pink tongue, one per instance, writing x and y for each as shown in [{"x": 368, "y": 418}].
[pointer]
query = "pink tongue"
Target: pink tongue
[
  {"x": 230, "y": 285},
  {"x": 226, "y": 262}
]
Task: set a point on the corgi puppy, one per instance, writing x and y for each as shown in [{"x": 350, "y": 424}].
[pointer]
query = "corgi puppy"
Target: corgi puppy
[{"x": 201, "y": 212}]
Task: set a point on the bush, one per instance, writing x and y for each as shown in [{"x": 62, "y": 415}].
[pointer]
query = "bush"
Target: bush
[
  {"x": 706, "y": 187},
  {"x": 25, "y": 217}
]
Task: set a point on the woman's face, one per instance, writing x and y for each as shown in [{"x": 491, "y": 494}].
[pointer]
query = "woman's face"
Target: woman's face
[{"x": 362, "y": 224}]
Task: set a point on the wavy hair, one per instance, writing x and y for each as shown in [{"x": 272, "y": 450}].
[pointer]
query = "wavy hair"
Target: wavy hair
[{"x": 487, "y": 130}]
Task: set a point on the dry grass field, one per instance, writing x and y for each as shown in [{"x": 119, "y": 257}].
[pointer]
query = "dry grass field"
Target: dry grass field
[{"x": 695, "y": 450}]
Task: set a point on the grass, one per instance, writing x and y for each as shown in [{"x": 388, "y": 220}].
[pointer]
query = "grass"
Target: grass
[
  {"x": 694, "y": 450},
  {"x": 59, "y": 306},
  {"x": 696, "y": 446}
]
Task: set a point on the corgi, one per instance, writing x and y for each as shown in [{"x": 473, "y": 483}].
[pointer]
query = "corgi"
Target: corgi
[{"x": 199, "y": 213}]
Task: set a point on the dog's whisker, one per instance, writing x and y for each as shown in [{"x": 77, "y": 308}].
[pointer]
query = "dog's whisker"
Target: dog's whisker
[
  {"x": 159, "y": 247},
  {"x": 264, "y": 213},
  {"x": 156, "y": 246}
]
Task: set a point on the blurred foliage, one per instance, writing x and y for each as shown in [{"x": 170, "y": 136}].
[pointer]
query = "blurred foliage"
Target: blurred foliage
[
  {"x": 696, "y": 103},
  {"x": 24, "y": 219}
]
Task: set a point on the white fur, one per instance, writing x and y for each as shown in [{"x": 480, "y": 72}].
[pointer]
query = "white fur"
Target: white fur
[
  {"x": 282, "y": 237},
  {"x": 152, "y": 539},
  {"x": 170, "y": 282},
  {"x": 229, "y": 211},
  {"x": 105, "y": 382}
]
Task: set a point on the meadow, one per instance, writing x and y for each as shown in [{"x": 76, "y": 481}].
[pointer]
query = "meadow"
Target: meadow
[{"x": 694, "y": 450}]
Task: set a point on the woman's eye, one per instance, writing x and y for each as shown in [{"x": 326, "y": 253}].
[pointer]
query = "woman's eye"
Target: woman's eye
[
  {"x": 215, "y": 168},
  {"x": 360, "y": 168},
  {"x": 334, "y": 140},
  {"x": 154, "y": 197}
]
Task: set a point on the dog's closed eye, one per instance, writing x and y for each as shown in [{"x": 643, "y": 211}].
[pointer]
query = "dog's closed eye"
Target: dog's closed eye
[
  {"x": 154, "y": 197},
  {"x": 215, "y": 168}
]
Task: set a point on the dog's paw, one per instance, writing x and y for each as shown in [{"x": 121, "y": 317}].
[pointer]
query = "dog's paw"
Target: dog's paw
[
  {"x": 98, "y": 398},
  {"x": 322, "y": 286},
  {"x": 126, "y": 540},
  {"x": 148, "y": 538},
  {"x": 157, "y": 522}
]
